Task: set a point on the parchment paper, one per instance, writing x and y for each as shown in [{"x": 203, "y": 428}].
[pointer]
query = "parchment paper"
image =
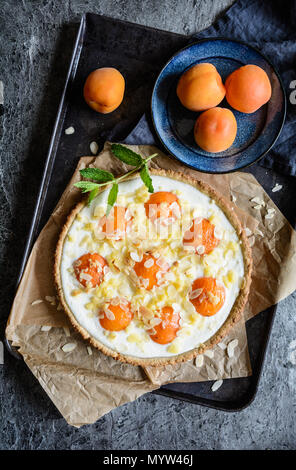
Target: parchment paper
[{"x": 85, "y": 387}]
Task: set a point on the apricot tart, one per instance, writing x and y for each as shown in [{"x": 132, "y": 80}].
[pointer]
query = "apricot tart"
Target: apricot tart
[{"x": 162, "y": 278}]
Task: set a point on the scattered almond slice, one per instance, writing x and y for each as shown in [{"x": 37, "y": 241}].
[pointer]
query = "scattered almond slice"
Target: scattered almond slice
[
  {"x": 222, "y": 346},
  {"x": 50, "y": 299},
  {"x": 258, "y": 201},
  {"x": 216, "y": 385},
  {"x": 209, "y": 353},
  {"x": 94, "y": 148},
  {"x": 70, "y": 130},
  {"x": 199, "y": 360},
  {"x": 248, "y": 232},
  {"x": 276, "y": 188},
  {"x": 231, "y": 346},
  {"x": 233, "y": 198},
  {"x": 257, "y": 207},
  {"x": 258, "y": 232},
  {"x": 36, "y": 302},
  {"x": 269, "y": 216},
  {"x": 89, "y": 350},
  {"x": 68, "y": 347},
  {"x": 46, "y": 328},
  {"x": 66, "y": 331}
]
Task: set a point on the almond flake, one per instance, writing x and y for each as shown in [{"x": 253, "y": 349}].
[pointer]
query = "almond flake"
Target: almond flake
[
  {"x": 209, "y": 354},
  {"x": 89, "y": 350},
  {"x": 231, "y": 346},
  {"x": 66, "y": 331},
  {"x": 257, "y": 207},
  {"x": 258, "y": 201},
  {"x": 195, "y": 293},
  {"x": 222, "y": 346},
  {"x": 258, "y": 232},
  {"x": 69, "y": 347},
  {"x": 269, "y": 216},
  {"x": 36, "y": 302},
  {"x": 216, "y": 385},
  {"x": 50, "y": 299},
  {"x": 110, "y": 315},
  {"x": 94, "y": 148},
  {"x": 199, "y": 360},
  {"x": 70, "y": 130},
  {"x": 46, "y": 328},
  {"x": 135, "y": 256},
  {"x": 248, "y": 232},
  {"x": 149, "y": 263},
  {"x": 277, "y": 188}
]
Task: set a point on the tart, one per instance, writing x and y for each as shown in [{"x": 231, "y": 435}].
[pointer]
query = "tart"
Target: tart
[{"x": 162, "y": 278}]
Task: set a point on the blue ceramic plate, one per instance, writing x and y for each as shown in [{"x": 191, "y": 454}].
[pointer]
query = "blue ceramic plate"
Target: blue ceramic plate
[{"x": 256, "y": 132}]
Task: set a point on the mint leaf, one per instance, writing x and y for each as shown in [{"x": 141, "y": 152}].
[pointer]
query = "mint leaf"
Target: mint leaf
[
  {"x": 97, "y": 174},
  {"x": 126, "y": 155},
  {"x": 86, "y": 186},
  {"x": 92, "y": 195},
  {"x": 146, "y": 178},
  {"x": 112, "y": 198}
]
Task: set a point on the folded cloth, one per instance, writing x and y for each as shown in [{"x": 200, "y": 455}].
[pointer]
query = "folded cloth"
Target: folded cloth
[
  {"x": 143, "y": 133},
  {"x": 270, "y": 26}
]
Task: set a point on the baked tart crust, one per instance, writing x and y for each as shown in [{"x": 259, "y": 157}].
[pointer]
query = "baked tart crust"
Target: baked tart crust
[{"x": 234, "y": 315}]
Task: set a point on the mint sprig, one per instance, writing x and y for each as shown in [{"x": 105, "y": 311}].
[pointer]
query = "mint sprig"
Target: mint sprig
[{"x": 103, "y": 177}]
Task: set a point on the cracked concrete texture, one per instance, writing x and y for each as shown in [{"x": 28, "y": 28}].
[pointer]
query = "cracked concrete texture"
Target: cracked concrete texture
[{"x": 30, "y": 31}]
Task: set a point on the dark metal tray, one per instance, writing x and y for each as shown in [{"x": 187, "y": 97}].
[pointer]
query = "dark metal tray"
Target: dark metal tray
[{"x": 139, "y": 52}]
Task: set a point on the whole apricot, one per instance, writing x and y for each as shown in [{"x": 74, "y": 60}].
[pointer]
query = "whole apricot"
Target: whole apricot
[
  {"x": 104, "y": 89},
  {"x": 200, "y": 87},
  {"x": 248, "y": 88},
  {"x": 215, "y": 130}
]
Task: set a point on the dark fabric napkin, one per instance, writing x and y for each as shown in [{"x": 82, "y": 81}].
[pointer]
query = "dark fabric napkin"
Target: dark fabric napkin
[{"x": 270, "y": 26}]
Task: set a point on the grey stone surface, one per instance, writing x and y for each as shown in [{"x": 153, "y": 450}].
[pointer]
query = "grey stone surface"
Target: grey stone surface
[{"x": 33, "y": 78}]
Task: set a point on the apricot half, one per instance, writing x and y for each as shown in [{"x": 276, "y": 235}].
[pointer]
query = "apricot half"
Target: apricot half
[
  {"x": 215, "y": 130},
  {"x": 248, "y": 88},
  {"x": 166, "y": 331},
  {"x": 200, "y": 88},
  {"x": 104, "y": 89}
]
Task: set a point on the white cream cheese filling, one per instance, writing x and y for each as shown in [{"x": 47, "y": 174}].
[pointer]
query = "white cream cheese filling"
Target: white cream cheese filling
[{"x": 225, "y": 263}]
